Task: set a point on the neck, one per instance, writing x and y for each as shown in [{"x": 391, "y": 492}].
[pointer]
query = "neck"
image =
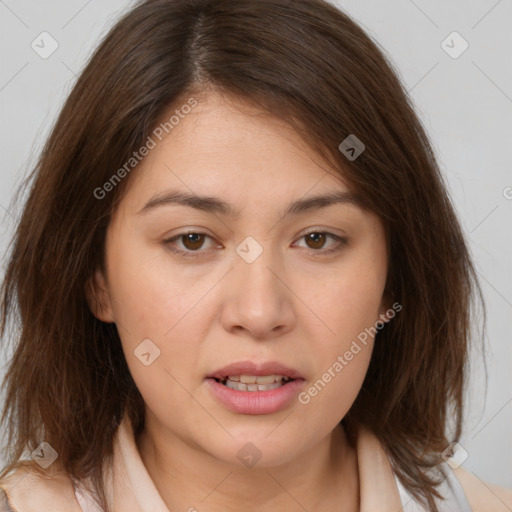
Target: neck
[{"x": 322, "y": 478}]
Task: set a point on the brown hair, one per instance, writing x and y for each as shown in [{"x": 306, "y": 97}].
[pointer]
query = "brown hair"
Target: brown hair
[{"x": 301, "y": 60}]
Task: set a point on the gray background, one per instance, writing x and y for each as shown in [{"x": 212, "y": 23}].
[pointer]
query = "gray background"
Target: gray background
[{"x": 465, "y": 104}]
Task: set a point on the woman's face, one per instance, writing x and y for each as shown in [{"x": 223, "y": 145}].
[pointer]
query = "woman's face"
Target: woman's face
[{"x": 264, "y": 286}]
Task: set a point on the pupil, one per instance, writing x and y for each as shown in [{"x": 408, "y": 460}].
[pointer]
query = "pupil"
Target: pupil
[
  {"x": 317, "y": 239},
  {"x": 193, "y": 241}
]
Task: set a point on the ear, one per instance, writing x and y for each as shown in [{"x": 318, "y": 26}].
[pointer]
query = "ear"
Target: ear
[
  {"x": 98, "y": 297},
  {"x": 387, "y": 310}
]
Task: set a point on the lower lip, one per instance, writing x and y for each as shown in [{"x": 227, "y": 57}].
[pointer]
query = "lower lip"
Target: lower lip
[{"x": 255, "y": 402}]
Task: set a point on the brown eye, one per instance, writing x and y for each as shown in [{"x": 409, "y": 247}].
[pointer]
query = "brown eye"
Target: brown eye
[
  {"x": 315, "y": 240},
  {"x": 318, "y": 242},
  {"x": 193, "y": 241},
  {"x": 190, "y": 244}
]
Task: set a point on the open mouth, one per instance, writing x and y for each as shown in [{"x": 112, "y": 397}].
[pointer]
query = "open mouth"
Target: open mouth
[
  {"x": 253, "y": 382},
  {"x": 247, "y": 388}
]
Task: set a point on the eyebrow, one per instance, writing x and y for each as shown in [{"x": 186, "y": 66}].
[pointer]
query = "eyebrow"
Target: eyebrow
[{"x": 216, "y": 205}]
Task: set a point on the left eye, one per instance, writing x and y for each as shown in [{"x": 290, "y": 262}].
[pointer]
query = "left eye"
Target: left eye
[{"x": 316, "y": 240}]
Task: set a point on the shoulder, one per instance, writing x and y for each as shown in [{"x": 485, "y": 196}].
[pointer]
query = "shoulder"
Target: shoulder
[
  {"x": 482, "y": 496},
  {"x": 30, "y": 489}
]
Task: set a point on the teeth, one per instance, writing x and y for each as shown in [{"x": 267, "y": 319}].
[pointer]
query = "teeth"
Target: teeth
[
  {"x": 248, "y": 379},
  {"x": 268, "y": 379},
  {"x": 255, "y": 383},
  {"x": 239, "y": 386},
  {"x": 260, "y": 379}
]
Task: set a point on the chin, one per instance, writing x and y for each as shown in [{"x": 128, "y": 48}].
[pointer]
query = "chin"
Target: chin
[{"x": 258, "y": 448}]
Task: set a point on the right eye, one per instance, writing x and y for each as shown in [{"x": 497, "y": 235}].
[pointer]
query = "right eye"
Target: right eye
[{"x": 191, "y": 243}]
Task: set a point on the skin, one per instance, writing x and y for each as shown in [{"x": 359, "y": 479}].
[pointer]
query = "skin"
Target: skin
[{"x": 293, "y": 304}]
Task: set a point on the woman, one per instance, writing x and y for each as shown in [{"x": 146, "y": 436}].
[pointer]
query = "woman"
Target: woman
[{"x": 240, "y": 280}]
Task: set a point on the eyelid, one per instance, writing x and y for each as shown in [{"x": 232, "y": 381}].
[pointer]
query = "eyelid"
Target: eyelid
[{"x": 319, "y": 229}]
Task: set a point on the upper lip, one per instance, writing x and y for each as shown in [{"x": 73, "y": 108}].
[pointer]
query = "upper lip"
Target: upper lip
[{"x": 250, "y": 368}]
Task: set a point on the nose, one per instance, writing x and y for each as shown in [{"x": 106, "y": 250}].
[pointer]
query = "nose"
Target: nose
[{"x": 258, "y": 300}]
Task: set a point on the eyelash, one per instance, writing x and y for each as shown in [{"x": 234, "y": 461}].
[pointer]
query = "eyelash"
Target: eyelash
[{"x": 341, "y": 243}]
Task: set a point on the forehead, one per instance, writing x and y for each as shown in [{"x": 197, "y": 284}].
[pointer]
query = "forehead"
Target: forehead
[{"x": 229, "y": 148}]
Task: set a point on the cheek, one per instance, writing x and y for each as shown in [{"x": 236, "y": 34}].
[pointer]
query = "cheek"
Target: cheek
[
  {"x": 332, "y": 394},
  {"x": 342, "y": 359},
  {"x": 157, "y": 301},
  {"x": 349, "y": 301},
  {"x": 166, "y": 395},
  {"x": 152, "y": 306},
  {"x": 349, "y": 304},
  {"x": 152, "y": 297}
]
